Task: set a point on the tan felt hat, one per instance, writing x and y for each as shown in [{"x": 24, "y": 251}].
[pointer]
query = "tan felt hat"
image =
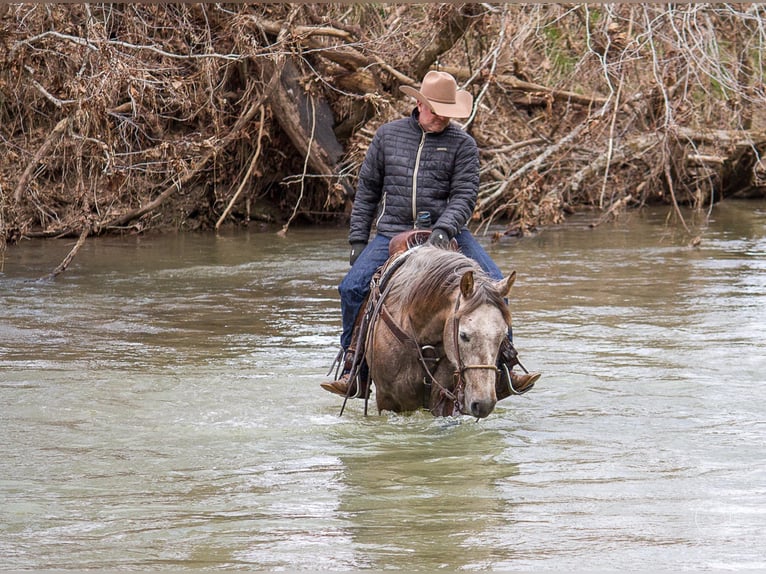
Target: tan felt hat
[{"x": 439, "y": 92}]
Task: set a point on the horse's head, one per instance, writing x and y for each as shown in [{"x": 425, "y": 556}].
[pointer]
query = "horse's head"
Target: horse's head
[{"x": 472, "y": 336}]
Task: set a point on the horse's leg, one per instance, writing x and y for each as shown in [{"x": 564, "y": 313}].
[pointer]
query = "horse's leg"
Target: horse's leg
[{"x": 440, "y": 404}]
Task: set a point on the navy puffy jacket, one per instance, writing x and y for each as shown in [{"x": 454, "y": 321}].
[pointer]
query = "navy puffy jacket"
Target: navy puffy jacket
[{"x": 407, "y": 170}]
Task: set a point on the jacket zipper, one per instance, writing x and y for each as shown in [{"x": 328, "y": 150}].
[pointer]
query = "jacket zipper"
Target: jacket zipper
[
  {"x": 382, "y": 209},
  {"x": 415, "y": 180}
]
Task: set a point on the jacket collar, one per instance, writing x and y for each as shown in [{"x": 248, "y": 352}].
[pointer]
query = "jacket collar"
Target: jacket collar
[{"x": 415, "y": 123}]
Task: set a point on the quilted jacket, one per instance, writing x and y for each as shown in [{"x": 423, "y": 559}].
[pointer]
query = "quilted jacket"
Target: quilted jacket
[{"x": 407, "y": 170}]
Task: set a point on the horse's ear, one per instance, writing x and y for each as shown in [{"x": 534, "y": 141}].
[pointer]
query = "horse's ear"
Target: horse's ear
[
  {"x": 466, "y": 284},
  {"x": 504, "y": 285}
]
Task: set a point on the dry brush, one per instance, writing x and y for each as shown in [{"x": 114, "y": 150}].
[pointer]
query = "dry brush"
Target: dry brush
[{"x": 131, "y": 117}]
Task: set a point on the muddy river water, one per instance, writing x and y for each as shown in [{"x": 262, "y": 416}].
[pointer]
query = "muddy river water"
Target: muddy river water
[{"x": 161, "y": 409}]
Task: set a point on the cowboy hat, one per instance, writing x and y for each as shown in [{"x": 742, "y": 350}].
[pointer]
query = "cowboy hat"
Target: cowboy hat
[{"x": 439, "y": 92}]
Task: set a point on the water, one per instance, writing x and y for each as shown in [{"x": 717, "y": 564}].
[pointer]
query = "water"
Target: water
[{"x": 161, "y": 409}]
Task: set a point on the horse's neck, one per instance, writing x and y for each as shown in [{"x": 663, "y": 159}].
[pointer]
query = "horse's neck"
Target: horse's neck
[{"x": 427, "y": 324}]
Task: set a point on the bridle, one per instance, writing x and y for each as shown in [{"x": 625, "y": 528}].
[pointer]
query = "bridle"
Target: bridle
[
  {"x": 457, "y": 395},
  {"x": 461, "y": 367}
]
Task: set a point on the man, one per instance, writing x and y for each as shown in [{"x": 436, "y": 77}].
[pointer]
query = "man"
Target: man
[{"x": 421, "y": 165}]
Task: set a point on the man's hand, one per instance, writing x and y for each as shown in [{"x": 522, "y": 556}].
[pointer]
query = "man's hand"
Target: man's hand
[
  {"x": 439, "y": 238},
  {"x": 356, "y": 249}
]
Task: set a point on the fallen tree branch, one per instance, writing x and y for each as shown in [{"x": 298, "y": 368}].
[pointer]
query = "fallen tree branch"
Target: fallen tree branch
[
  {"x": 612, "y": 211},
  {"x": 453, "y": 21},
  {"x": 513, "y": 82},
  {"x": 239, "y": 125},
  {"x": 247, "y": 175},
  {"x": 48, "y": 96},
  {"x": 631, "y": 149},
  {"x": 492, "y": 57},
  {"x": 347, "y": 56},
  {"x": 735, "y": 137},
  {"x": 91, "y": 46},
  {"x": 698, "y": 159},
  {"x": 276, "y": 28},
  {"x": 671, "y": 188},
  {"x": 68, "y": 259},
  {"x": 283, "y": 231},
  {"x": 355, "y": 61},
  {"x": 485, "y": 202},
  {"x": 293, "y": 108},
  {"x": 43, "y": 149}
]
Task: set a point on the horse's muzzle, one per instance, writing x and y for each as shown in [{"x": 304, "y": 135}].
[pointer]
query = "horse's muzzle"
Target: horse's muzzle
[{"x": 481, "y": 409}]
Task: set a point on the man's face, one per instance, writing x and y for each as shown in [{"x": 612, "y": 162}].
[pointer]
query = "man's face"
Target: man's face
[{"x": 429, "y": 121}]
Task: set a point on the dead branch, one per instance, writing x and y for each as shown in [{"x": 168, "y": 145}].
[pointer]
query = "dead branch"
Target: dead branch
[
  {"x": 610, "y": 213},
  {"x": 42, "y": 150},
  {"x": 70, "y": 256},
  {"x": 299, "y": 32},
  {"x": 453, "y": 22},
  {"x": 484, "y": 202},
  {"x": 283, "y": 231},
  {"x": 290, "y": 103},
  {"x": 247, "y": 175},
  {"x": 240, "y": 124},
  {"x": 631, "y": 149},
  {"x": 462, "y": 73},
  {"x": 94, "y": 45},
  {"x": 669, "y": 180},
  {"x": 46, "y": 94},
  {"x": 721, "y": 137},
  {"x": 159, "y": 88}
]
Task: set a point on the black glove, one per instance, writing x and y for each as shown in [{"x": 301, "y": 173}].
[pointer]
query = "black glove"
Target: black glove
[
  {"x": 439, "y": 238},
  {"x": 356, "y": 248}
]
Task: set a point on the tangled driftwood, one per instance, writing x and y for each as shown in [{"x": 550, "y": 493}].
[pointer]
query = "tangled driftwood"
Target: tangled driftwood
[{"x": 130, "y": 117}]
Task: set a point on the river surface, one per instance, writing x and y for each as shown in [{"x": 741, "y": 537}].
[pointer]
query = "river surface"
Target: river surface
[{"x": 161, "y": 409}]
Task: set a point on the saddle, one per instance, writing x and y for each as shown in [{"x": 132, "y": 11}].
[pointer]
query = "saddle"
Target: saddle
[{"x": 406, "y": 240}]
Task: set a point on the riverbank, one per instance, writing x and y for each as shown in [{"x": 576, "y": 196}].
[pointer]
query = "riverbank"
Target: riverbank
[{"x": 126, "y": 118}]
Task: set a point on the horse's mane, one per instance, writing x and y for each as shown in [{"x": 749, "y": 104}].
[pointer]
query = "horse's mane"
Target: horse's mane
[{"x": 430, "y": 272}]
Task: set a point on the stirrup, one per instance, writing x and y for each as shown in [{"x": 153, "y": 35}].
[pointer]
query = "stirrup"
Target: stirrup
[{"x": 514, "y": 390}]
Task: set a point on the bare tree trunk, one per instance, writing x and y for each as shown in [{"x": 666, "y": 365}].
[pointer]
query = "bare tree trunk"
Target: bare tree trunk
[
  {"x": 301, "y": 114},
  {"x": 452, "y": 22}
]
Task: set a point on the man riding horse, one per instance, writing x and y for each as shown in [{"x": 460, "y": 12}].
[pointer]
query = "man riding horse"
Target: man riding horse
[{"x": 420, "y": 167}]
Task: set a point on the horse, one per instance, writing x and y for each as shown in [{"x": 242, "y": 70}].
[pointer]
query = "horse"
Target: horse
[{"x": 436, "y": 321}]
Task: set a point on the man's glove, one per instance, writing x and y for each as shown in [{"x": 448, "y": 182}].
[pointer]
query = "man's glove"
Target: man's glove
[
  {"x": 356, "y": 249},
  {"x": 439, "y": 238}
]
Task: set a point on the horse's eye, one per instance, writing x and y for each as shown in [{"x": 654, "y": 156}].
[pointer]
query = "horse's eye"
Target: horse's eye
[{"x": 464, "y": 337}]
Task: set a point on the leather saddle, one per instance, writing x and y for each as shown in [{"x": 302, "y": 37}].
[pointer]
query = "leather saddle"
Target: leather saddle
[{"x": 405, "y": 240}]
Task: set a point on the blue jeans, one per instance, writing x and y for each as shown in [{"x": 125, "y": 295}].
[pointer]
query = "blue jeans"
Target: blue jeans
[{"x": 356, "y": 284}]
